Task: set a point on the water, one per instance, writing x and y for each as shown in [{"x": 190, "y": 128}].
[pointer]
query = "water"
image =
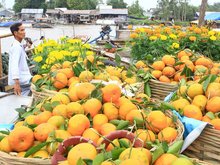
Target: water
[{"x": 56, "y": 32}]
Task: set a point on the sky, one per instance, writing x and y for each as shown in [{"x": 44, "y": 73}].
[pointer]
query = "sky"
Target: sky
[{"x": 146, "y": 4}]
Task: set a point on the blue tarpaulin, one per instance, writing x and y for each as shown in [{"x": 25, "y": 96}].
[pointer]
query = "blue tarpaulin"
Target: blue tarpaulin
[{"x": 213, "y": 16}]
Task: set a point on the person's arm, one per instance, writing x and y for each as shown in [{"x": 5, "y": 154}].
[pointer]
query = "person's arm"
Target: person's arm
[
  {"x": 15, "y": 57},
  {"x": 17, "y": 87}
]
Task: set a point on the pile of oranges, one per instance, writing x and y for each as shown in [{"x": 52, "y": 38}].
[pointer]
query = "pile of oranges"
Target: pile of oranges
[
  {"x": 170, "y": 69},
  {"x": 78, "y": 113},
  {"x": 195, "y": 102}
]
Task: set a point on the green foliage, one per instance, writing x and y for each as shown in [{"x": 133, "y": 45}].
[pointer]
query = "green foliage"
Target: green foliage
[
  {"x": 135, "y": 9},
  {"x": 20, "y": 4},
  {"x": 117, "y": 3},
  {"x": 214, "y": 7},
  {"x": 57, "y": 3},
  {"x": 82, "y": 4}
]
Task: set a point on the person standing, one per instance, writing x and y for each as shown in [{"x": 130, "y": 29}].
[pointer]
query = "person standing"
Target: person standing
[{"x": 18, "y": 74}]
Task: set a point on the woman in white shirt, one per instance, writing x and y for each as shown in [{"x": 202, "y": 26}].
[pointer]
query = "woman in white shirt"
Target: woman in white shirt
[{"x": 18, "y": 74}]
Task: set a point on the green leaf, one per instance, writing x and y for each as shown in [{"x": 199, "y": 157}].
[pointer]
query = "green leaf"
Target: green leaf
[
  {"x": 117, "y": 59},
  {"x": 80, "y": 162},
  {"x": 99, "y": 159},
  {"x": 157, "y": 153},
  {"x": 178, "y": 63},
  {"x": 210, "y": 115},
  {"x": 116, "y": 152},
  {"x": 88, "y": 161},
  {"x": 108, "y": 46},
  {"x": 5, "y": 132},
  {"x": 210, "y": 79},
  {"x": 26, "y": 114},
  {"x": 55, "y": 103},
  {"x": 165, "y": 146},
  {"x": 2, "y": 137},
  {"x": 89, "y": 65},
  {"x": 47, "y": 106},
  {"x": 129, "y": 74},
  {"x": 147, "y": 89},
  {"x": 36, "y": 148},
  {"x": 122, "y": 125},
  {"x": 97, "y": 93}
]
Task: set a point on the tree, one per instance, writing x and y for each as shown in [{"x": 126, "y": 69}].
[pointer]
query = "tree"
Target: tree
[
  {"x": 82, "y": 4},
  {"x": 202, "y": 12},
  {"x": 214, "y": 7},
  {"x": 135, "y": 9},
  {"x": 117, "y": 3},
  {"x": 1, "y": 5},
  {"x": 20, "y": 4},
  {"x": 57, "y": 3}
]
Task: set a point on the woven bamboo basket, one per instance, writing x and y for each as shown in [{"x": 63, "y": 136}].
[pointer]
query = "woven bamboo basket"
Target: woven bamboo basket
[
  {"x": 179, "y": 126},
  {"x": 206, "y": 146},
  {"x": 159, "y": 90},
  {"x": 200, "y": 162},
  {"x": 11, "y": 159},
  {"x": 43, "y": 94}
]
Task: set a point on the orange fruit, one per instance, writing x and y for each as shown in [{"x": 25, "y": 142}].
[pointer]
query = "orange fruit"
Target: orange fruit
[
  {"x": 156, "y": 73},
  {"x": 78, "y": 124},
  {"x": 213, "y": 104},
  {"x": 91, "y": 134},
  {"x": 107, "y": 128},
  {"x": 61, "y": 98},
  {"x": 192, "y": 111},
  {"x": 156, "y": 121},
  {"x": 110, "y": 111},
  {"x": 72, "y": 93},
  {"x": 168, "y": 60},
  {"x": 194, "y": 90},
  {"x": 140, "y": 64},
  {"x": 57, "y": 121},
  {"x": 131, "y": 162},
  {"x": 5, "y": 145},
  {"x": 200, "y": 101},
  {"x": 83, "y": 151},
  {"x": 21, "y": 139},
  {"x": 41, "y": 154},
  {"x": 60, "y": 110},
  {"x": 168, "y": 134},
  {"x": 164, "y": 79},
  {"x": 67, "y": 64},
  {"x": 205, "y": 62},
  {"x": 60, "y": 80},
  {"x": 206, "y": 119},
  {"x": 187, "y": 63},
  {"x": 73, "y": 80},
  {"x": 35, "y": 78},
  {"x": 74, "y": 108},
  {"x": 145, "y": 135},
  {"x": 86, "y": 76},
  {"x": 158, "y": 65},
  {"x": 168, "y": 71},
  {"x": 165, "y": 159},
  {"x": 134, "y": 114},
  {"x": 68, "y": 72},
  {"x": 99, "y": 120},
  {"x": 216, "y": 123},
  {"x": 42, "y": 131},
  {"x": 83, "y": 90},
  {"x": 111, "y": 93},
  {"x": 43, "y": 117},
  {"x": 92, "y": 106},
  {"x": 178, "y": 77},
  {"x": 125, "y": 108},
  {"x": 181, "y": 54},
  {"x": 213, "y": 90}
]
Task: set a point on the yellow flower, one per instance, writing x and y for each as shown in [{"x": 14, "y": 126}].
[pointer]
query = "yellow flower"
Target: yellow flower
[
  {"x": 59, "y": 56},
  {"x": 50, "y": 60},
  {"x": 88, "y": 53},
  {"x": 192, "y": 38},
  {"x": 38, "y": 59},
  {"x": 213, "y": 38},
  {"x": 87, "y": 46},
  {"x": 175, "y": 45},
  {"x": 173, "y": 36},
  {"x": 163, "y": 37},
  {"x": 74, "y": 41},
  {"x": 211, "y": 33},
  {"x": 44, "y": 66},
  {"x": 75, "y": 53},
  {"x": 142, "y": 30},
  {"x": 153, "y": 38}
]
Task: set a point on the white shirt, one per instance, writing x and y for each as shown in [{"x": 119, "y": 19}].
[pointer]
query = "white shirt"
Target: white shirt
[{"x": 18, "y": 67}]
